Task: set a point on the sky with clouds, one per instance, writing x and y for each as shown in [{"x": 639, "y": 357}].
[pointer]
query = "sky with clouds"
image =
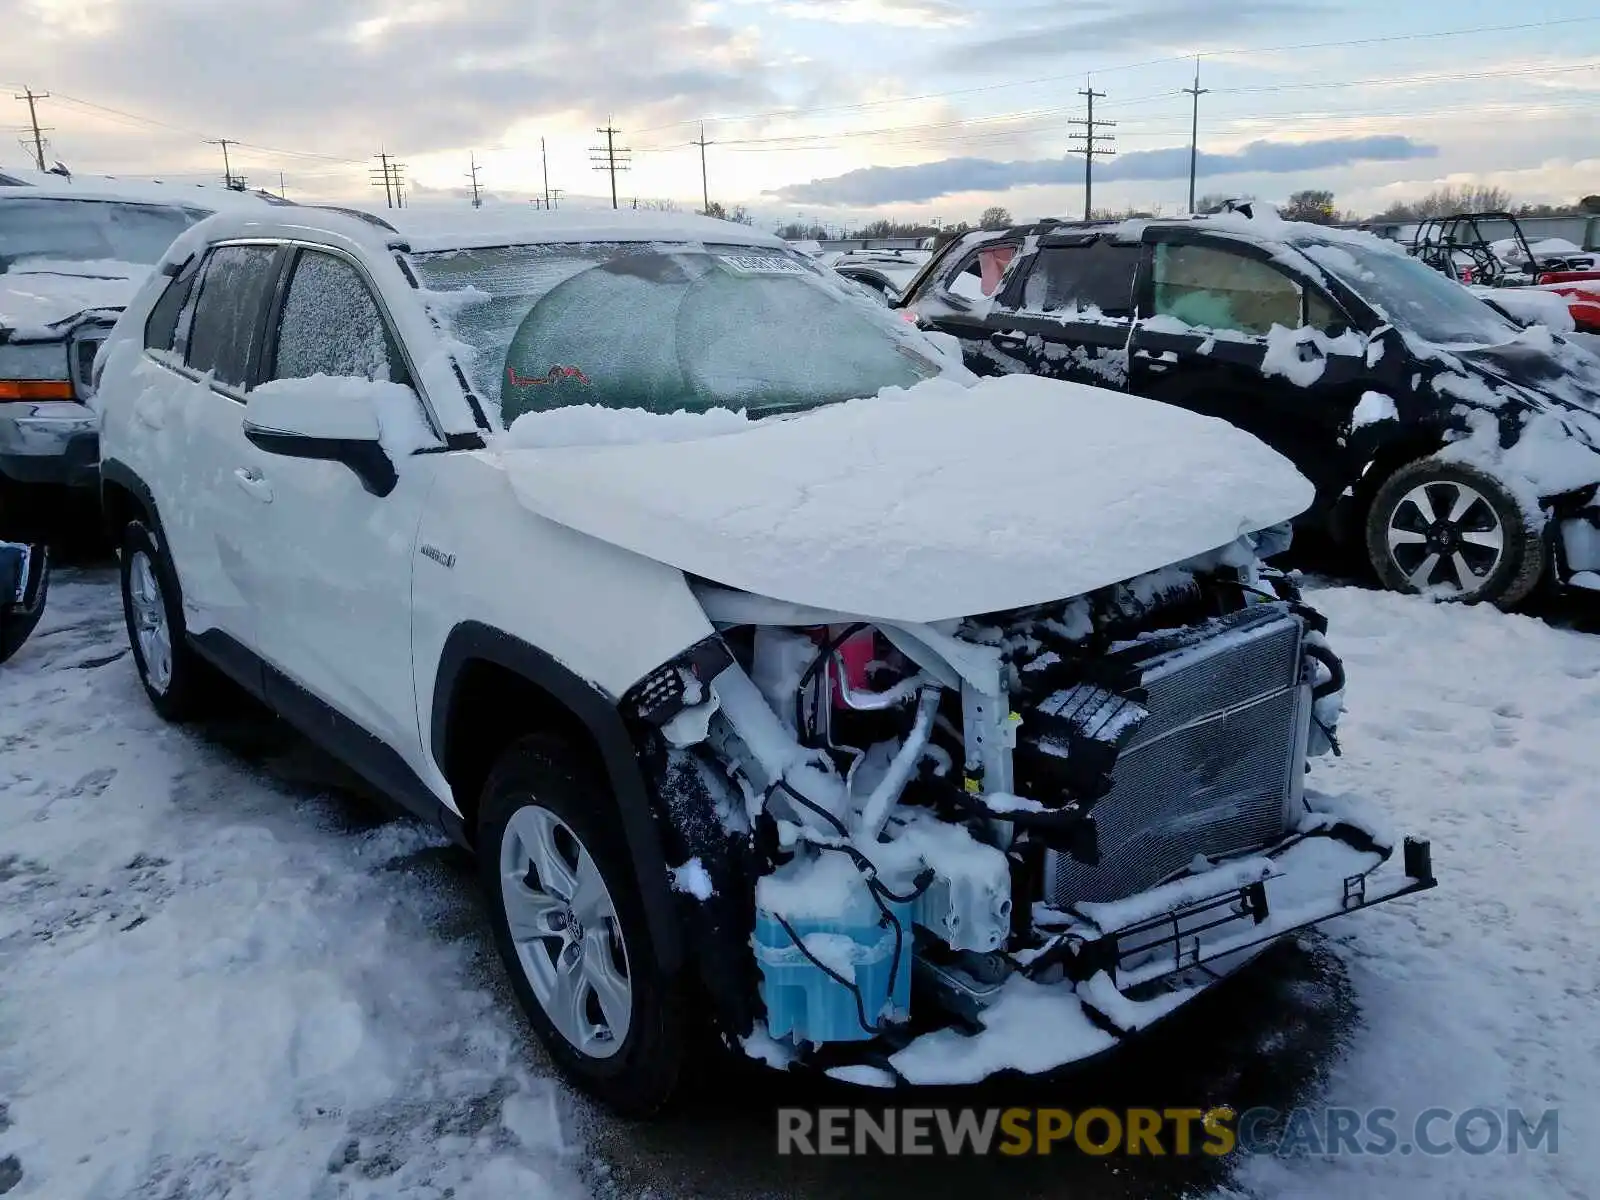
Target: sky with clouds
[{"x": 839, "y": 110}]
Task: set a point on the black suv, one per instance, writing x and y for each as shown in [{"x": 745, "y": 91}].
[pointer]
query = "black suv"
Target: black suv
[{"x": 1461, "y": 448}]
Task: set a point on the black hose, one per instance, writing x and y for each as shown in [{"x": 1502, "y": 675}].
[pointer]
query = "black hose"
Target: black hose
[
  {"x": 838, "y": 825},
  {"x": 851, "y": 985},
  {"x": 1335, "y": 681}
]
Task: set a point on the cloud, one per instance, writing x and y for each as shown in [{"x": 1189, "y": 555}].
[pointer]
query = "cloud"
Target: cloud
[
  {"x": 1097, "y": 25},
  {"x": 343, "y": 76},
  {"x": 911, "y": 14},
  {"x": 870, "y": 186}
]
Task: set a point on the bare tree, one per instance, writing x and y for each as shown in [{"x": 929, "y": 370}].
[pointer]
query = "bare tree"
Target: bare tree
[
  {"x": 995, "y": 217},
  {"x": 1448, "y": 201},
  {"x": 666, "y": 206}
]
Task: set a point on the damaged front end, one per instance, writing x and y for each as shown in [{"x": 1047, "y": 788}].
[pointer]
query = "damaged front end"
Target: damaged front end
[{"x": 927, "y": 853}]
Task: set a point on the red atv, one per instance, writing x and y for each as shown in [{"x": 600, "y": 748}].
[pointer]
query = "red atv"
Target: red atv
[{"x": 1460, "y": 247}]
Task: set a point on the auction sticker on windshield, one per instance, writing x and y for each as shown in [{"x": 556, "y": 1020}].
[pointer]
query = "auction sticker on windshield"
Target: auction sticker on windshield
[{"x": 760, "y": 264}]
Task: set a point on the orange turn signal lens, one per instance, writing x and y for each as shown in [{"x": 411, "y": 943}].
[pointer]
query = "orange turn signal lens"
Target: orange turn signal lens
[{"x": 36, "y": 389}]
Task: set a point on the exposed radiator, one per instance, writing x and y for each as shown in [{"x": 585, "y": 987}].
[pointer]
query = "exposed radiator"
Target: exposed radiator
[{"x": 1213, "y": 771}]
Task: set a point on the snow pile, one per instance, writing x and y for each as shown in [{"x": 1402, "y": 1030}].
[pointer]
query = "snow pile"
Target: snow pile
[
  {"x": 597, "y": 425},
  {"x": 1373, "y": 408},
  {"x": 693, "y": 879},
  {"x": 928, "y": 503},
  {"x": 1548, "y": 458},
  {"x": 1301, "y": 355},
  {"x": 213, "y": 985},
  {"x": 1530, "y": 306}
]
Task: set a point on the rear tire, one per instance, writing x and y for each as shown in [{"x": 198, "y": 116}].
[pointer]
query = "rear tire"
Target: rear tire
[
  {"x": 569, "y": 922},
  {"x": 177, "y": 680},
  {"x": 1451, "y": 529}
]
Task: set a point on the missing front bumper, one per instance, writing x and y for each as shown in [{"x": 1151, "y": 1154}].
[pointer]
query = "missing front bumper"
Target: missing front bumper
[{"x": 1103, "y": 972}]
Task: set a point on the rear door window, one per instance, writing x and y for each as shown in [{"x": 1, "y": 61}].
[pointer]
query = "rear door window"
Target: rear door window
[
  {"x": 1213, "y": 288},
  {"x": 331, "y": 325},
  {"x": 980, "y": 273},
  {"x": 1097, "y": 276},
  {"x": 222, "y": 337}
]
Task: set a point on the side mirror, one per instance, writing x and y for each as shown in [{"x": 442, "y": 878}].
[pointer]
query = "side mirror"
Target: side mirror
[
  {"x": 298, "y": 419},
  {"x": 24, "y": 584}
]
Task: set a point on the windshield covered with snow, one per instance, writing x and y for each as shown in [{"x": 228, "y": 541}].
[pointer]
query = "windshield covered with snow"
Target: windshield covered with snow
[
  {"x": 1412, "y": 296},
  {"x": 53, "y": 230},
  {"x": 662, "y": 328}
]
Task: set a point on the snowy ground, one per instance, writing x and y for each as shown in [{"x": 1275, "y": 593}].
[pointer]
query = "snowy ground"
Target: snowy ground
[{"x": 221, "y": 974}]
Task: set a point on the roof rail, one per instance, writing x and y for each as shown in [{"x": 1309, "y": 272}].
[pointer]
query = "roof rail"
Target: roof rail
[{"x": 359, "y": 214}]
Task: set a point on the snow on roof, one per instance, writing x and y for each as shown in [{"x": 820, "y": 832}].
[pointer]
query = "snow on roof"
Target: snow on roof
[
  {"x": 147, "y": 191},
  {"x": 454, "y": 229},
  {"x": 425, "y": 229}
]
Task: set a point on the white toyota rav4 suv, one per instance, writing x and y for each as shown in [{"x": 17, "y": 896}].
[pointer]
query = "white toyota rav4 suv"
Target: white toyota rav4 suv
[{"x": 768, "y": 662}]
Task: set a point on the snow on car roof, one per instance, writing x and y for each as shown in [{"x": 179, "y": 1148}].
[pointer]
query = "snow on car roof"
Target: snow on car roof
[
  {"x": 463, "y": 228},
  {"x": 134, "y": 191},
  {"x": 434, "y": 228}
]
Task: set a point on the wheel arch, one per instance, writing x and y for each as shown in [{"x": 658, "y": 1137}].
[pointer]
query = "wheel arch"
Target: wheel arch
[
  {"x": 491, "y": 688},
  {"x": 124, "y": 497}
]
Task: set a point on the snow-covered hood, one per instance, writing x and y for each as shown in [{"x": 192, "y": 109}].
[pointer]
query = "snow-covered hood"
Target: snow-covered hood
[
  {"x": 37, "y": 294},
  {"x": 922, "y": 504}
]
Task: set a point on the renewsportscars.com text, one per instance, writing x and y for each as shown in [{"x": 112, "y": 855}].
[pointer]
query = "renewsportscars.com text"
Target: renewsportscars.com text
[{"x": 1154, "y": 1132}]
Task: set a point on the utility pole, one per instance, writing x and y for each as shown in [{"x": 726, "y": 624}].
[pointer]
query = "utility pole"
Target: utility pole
[
  {"x": 705, "y": 188},
  {"x": 610, "y": 158},
  {"x": 1089, "y": 143},
  {"x": 1194, "y": 130},
  {"x": 283, "y": 191},
  {"x": 477, "y": 200},
  {"x": 234, "y": 183},
  {"x": 31, "y": 96},
  {"x": 389, "y": 177},
  {"x": 545, "y": 159},
  {"x": 555, "y": 197}
]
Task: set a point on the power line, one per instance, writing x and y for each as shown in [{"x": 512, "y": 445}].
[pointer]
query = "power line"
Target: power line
[
  {"x": 32, "y": 97},
  {"x": 1089, "y": 144},
  {"x": 610, "y": 158}
]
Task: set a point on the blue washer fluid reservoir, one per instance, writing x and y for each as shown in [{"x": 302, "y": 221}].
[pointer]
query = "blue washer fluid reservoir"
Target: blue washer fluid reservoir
[{"x": 805, "y": 1003}]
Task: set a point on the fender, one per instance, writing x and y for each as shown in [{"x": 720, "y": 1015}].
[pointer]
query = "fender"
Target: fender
[
  {"x": 598, "y": 714},
  {"x": 115, "y": 471}
]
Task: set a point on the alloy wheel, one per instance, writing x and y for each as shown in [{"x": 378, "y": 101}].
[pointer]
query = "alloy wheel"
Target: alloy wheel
[
  {"x": 1446, "y": 535},
  {"x": 150, "y": 622},
  {"x": 564, "y": 925}
]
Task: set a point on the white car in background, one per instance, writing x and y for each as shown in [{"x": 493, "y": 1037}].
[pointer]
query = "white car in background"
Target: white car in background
[
  {"x": 761, "y": 654},
  {"x": 884, "y": 273},
  {"x": 71, "y": 257}
]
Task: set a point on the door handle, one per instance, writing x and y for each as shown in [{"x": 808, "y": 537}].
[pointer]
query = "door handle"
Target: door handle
[
  {"x": 253, "y": 483},
  {"x": 1156, "y": 356},
  {"x": 1007, "y": 341}
]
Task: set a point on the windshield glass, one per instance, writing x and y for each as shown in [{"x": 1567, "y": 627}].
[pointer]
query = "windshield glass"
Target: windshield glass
[
  {"x": 665, "y": 327},
  {"x": 88, "y": 230},
  {"x": 1411, "y": 296}
]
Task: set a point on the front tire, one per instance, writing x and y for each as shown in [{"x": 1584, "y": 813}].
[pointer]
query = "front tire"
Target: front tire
[
  {"x": 1453, "y": 530},
  {"x": 569, "y": 923},
  {"x": 174, "y": 677}
]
